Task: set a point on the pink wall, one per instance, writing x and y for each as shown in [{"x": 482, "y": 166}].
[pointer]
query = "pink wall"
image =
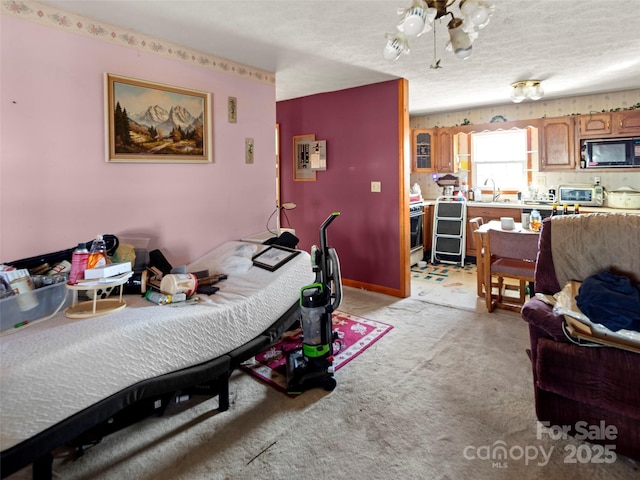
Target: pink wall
[
  {"x": 360, "y": 126},
  {"x": 55, "y": 187}
]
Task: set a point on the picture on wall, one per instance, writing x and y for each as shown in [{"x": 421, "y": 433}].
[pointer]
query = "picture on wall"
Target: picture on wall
[{"x": 154, "y": 123}]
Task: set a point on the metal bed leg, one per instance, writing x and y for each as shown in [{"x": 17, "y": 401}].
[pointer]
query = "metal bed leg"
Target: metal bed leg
[{"x": 223, "y": 392}]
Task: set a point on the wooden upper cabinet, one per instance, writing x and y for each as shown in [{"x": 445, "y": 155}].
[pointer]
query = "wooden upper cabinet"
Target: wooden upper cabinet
[
  {"x": 432, "y": 150},
  {"x": 557, "y": 144},
  {"x": 595, "y": 124},
  {"x": 444, "y": 151},
  {"x": 625, "y": 122},
  {"x": 422, "y": 146}
]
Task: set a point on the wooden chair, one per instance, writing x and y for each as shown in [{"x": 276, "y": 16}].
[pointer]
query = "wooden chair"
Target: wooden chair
[
  {"x": 474, "y": 225},
  {"x": 509, "y": 255}
]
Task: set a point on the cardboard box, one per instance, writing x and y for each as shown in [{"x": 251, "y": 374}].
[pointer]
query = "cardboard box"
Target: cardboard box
[{"x": 110, "y": 270}]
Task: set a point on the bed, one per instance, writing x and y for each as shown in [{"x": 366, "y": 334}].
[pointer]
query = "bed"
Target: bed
[{"x": 64, "y": 377}]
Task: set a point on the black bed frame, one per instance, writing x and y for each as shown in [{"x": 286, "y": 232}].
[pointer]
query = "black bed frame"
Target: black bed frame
[{"x": 146, "y": 398}]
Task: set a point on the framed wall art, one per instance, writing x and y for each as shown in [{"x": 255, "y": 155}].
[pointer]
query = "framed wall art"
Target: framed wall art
[
  {"x": 154, "y": 123},
  {"x": 274, "y": 257},
  {"x": 302, "y": 171}
]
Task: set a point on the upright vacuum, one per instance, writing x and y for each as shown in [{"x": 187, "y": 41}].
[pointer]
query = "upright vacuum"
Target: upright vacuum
[{"x": 312, "y": 365}]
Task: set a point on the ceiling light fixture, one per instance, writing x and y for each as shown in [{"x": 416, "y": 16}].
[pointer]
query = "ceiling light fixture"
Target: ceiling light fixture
[
  {"x": 420, "y": 17},
  {"x": 527, "y": 89}
]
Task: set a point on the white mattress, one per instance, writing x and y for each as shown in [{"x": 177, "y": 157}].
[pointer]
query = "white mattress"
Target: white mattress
[{"x": 56, "y": 368}]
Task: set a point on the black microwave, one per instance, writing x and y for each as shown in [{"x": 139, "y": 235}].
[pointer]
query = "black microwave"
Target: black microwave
[{"x": 610, "y": 152}]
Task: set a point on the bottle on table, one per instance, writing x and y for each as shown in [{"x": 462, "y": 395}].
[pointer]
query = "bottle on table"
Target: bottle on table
[
  {"x": 576, "y": 209},
  {"x": 565, "y": 209},
  {"x": 79, "y": 260},
  {"x": 554, "y": 210},
  {"x": 535, "y": 221},
  {"x": 98, "y": 253}
]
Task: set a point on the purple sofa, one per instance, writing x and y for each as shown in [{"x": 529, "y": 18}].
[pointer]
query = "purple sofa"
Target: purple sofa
[{"x": 579, "y": 386}]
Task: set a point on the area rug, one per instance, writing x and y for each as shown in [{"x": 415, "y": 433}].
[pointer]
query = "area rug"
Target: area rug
[{"x": 355, "y": 335}]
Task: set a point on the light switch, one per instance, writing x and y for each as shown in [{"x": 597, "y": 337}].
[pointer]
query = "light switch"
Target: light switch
[{"x": 375, "y": 186}]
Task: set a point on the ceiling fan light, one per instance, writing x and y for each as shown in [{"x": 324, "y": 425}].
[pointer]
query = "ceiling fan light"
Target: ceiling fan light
[
  {"x": 414, "y": 21},
  {"x": 392, "y": 50},
  {"x": 480, "y": 17},
  {"x": 468, "y": 7},
  {"x": 460, "y": 41}
]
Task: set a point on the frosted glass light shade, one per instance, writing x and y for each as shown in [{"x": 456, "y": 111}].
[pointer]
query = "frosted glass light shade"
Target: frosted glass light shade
[
  {"x": 536, "y": 92},
  {"x": 524, "y": 89},
  {"x": 460, "y": 41}
]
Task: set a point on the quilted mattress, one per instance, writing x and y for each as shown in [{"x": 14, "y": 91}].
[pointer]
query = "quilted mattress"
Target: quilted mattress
[{"x": 56, "y": 368}]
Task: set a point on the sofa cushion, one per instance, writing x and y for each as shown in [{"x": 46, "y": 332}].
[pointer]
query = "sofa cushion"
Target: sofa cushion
[{"x": 591, "y": 375}]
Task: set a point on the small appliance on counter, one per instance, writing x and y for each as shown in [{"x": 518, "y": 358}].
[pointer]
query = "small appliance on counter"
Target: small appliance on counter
[
  {"x": 449, "y": 184},
  {"x": 624, "y": 197},
  {"x": 415, "y": 193},
  {"x": 583, "y": 194}
]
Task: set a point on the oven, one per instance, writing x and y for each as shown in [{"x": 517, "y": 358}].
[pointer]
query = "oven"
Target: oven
[{"x": 416, "y": 216}]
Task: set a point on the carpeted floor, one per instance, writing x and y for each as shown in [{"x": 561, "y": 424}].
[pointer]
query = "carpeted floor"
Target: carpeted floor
[
  {"x": 354, "y": 335},
  {"x": 430, "y": 400}
]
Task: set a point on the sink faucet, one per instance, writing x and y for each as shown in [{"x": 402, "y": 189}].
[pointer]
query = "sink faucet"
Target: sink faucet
[{"x": 496, "y": 195}]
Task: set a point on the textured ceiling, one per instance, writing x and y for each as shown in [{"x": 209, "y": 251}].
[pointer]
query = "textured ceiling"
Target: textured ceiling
[{"x": 577, "y": 47}]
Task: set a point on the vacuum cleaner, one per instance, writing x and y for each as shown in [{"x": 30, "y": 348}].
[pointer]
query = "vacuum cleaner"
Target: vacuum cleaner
[{"x": 311, "y": 366}]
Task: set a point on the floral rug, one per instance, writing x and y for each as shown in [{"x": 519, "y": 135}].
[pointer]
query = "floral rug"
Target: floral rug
[{"x": 355, "y": 335}]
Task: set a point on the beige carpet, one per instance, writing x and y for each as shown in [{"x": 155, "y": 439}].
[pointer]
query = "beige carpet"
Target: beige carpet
[{"x": 425, "y": 402}]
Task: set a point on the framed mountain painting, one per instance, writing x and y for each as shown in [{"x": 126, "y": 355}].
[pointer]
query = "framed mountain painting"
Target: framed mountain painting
[{"x": 154, "y": 123}]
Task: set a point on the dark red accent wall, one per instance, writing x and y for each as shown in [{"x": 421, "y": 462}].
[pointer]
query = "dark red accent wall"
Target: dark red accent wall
[{"x": 360, "y": 126}]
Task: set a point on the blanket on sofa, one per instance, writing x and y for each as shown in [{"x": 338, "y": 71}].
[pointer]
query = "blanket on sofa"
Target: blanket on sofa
[{"x": 583, "y": 245}]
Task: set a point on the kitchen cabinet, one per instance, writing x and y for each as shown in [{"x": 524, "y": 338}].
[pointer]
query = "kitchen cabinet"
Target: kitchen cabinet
[
  {"x": 444, "y": 151},
  {"x": 627, "y": 122},
  {"x": 611, "y": 124},
  {"x": 432, "y": 150},
  {"x": 422, "y": 145},
  {"x": 487, "y": 214},
  {"x": 597, "y": 124},
  {"x": 557, "y": 144}
]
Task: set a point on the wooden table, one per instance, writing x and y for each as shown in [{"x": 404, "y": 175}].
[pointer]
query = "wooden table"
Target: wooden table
[{"x": 480, "y": 245}]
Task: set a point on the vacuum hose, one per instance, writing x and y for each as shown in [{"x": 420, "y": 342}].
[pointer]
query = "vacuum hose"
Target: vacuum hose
[{"x": 333, "y": 263}]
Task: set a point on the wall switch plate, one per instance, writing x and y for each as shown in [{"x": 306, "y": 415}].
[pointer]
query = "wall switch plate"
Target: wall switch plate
[
  {"x": 375, "y": 187},
  {"x": 541, "y": 181}
]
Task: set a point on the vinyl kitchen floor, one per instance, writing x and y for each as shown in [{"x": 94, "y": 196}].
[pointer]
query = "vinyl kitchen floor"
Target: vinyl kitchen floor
[
  {"x": 445, "y": 284},
  {"x": 450, "y": 285}
]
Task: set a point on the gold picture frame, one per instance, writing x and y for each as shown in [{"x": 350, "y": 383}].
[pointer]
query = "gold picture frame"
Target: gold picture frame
[
  {"x": 148, "y": 122},
  {"x": 302, "y": 171}
]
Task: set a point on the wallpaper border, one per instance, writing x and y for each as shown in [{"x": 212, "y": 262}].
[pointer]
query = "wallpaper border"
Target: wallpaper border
[{"x": 88, "y": 27}]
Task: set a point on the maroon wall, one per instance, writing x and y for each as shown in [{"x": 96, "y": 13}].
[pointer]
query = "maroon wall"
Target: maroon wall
[{"x": 360, "y": 126}]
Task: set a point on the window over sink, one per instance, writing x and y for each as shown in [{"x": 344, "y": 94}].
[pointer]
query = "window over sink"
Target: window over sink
[{"x": 503, "y": 156}]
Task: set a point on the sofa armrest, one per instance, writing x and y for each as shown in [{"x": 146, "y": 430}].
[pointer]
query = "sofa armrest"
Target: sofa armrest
[{"x": 540, "y": 315}]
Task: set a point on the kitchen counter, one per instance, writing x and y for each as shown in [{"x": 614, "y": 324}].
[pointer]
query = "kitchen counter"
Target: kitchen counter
[{"x": 531, "y": 206}]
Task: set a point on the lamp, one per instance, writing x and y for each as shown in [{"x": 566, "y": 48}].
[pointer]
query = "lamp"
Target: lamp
[
  {"x": 470, "y": 17},
  {"x": 282, "y": 207},
  {"x": 524, "y": 89}
]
